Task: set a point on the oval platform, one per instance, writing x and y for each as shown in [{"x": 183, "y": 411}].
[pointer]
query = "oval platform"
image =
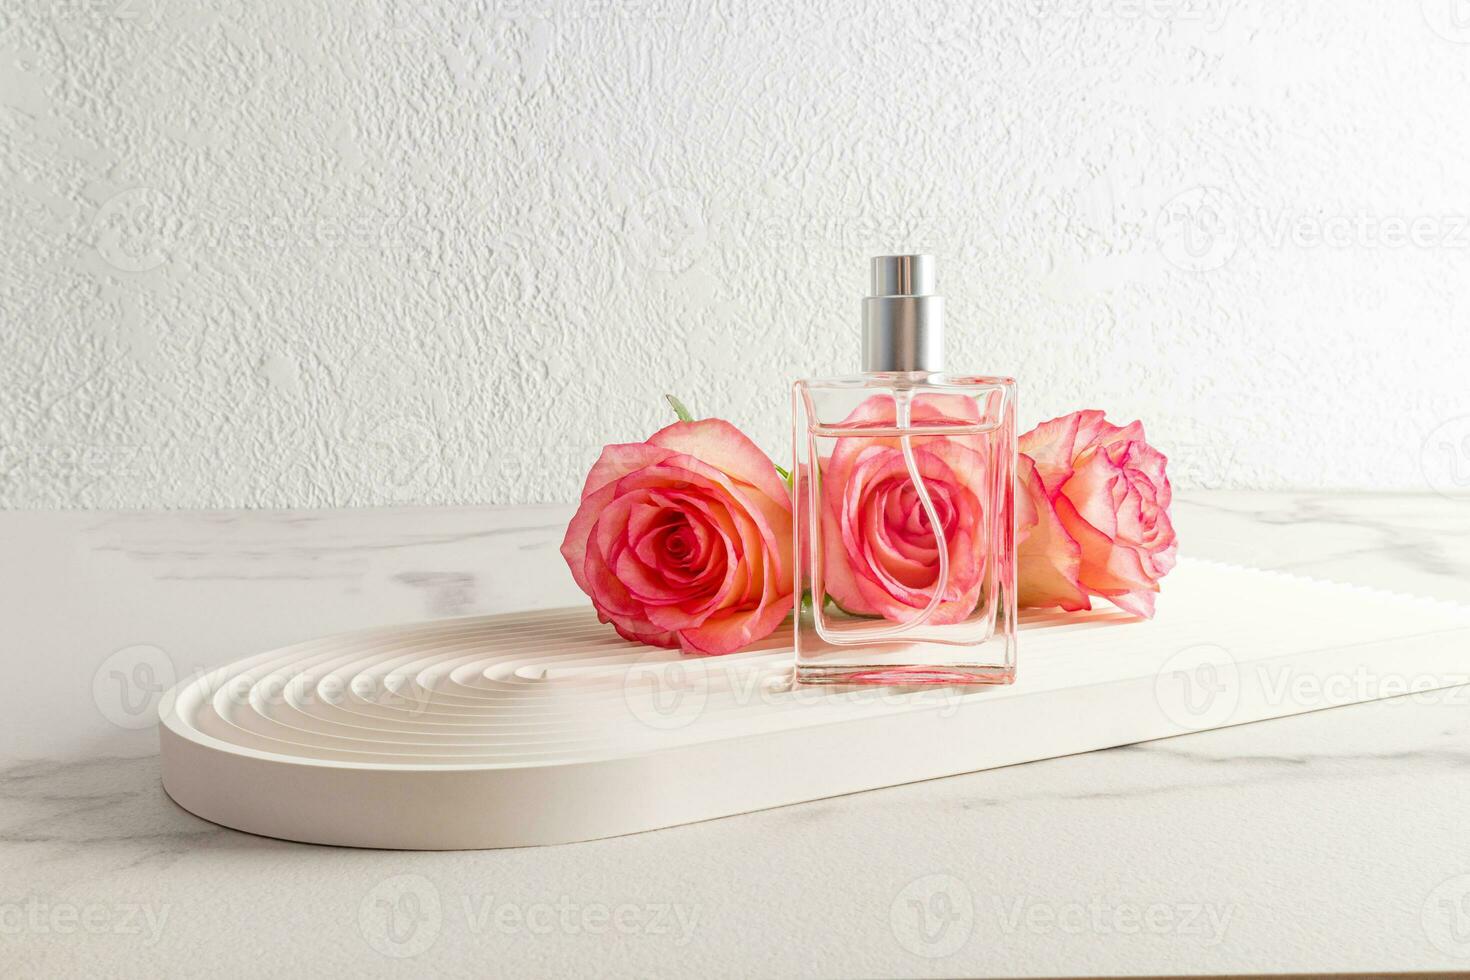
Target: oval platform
[{"x": 546, "y": 727}]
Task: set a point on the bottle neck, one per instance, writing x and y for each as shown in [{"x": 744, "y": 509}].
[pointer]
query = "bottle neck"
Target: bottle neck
[{"x": 903, "y": 333}]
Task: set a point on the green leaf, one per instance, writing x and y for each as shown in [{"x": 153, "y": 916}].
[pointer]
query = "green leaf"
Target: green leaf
[
  {"x": 785, "y": 474},
  {"x": 679, "y": 409},
  {"x": 807, "y": 601}
]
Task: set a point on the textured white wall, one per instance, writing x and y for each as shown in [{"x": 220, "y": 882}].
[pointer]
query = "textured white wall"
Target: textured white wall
[{"x": 289, "y": 253}]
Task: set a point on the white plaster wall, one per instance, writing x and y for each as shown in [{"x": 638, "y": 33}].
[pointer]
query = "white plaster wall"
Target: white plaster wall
[{"x": 289, "y": 253}]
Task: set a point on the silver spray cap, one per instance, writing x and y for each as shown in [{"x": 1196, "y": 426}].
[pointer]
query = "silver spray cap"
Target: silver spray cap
[{"x": 903, "y": 321}]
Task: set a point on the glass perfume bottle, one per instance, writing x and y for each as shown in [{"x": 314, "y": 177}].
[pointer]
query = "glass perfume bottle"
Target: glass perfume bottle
[{"x": 905, "y": 534}]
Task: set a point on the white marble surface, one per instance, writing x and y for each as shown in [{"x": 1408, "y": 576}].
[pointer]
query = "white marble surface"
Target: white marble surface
[{"x": 1331, "y": 841}]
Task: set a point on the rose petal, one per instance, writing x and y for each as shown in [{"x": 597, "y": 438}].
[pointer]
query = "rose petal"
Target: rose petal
[
  {"x": 1090, "y": 489},
  {"x": 1139, "y": 603},
  {"x": 616, "y": 462},
  {"x": 1049, "y": 446},
  {"x": 1048, "y": 559},
  {"x": 716, "y": 439},
  {"x": 735, "y": 631},
  {"x": 1108, "y": 568}
]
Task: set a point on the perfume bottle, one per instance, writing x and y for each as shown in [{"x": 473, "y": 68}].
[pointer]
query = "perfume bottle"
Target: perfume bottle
[{"x": 905, "y": 535}]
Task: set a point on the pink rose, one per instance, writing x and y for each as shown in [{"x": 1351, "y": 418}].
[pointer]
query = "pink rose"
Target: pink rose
[
  {"x": 1092, "y": 514},
  {"x": 881, "y": 556},
  {"x": 685, "y": 540}
]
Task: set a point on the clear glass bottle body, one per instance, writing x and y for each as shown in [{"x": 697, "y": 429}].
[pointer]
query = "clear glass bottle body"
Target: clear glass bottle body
[{"x": 881, "y": 461}]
